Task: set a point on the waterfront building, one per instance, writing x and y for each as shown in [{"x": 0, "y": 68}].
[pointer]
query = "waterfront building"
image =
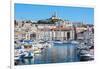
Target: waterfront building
[{"x": 52, "y": 28}]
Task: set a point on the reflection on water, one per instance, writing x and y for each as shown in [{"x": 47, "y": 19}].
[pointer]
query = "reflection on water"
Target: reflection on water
[
  {"x": 29, "y": 61},
  {"x": 56, "y": 54}
]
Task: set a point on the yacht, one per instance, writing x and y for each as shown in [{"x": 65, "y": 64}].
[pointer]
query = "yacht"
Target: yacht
[{"x": 86, "y": 55}]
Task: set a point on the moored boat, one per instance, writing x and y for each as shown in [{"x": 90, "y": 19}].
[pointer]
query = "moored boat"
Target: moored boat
[
  {"x": 58, "y": 42},
  {"x": 28, "y": 55}
]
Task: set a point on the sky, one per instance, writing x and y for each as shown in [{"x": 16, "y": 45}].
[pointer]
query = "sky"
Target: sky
[{"x": 37, "y": 12}]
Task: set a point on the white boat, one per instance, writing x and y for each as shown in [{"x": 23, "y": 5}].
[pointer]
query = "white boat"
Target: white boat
[
  {"x": 48, "y": 45},
  {"x": 87, "y": 56},
  {"x": 17, "y": 54},
  {"x": 17, "y": 58},
  {"x": 28, "y": 55},
  {"x": 84, "y": 54},
  {"x": 37, "y": 44},
  {"x": 74, "y": 42}
]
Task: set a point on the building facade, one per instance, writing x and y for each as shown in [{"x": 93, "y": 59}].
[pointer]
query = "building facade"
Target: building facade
[{"x": 52, "y": 28}]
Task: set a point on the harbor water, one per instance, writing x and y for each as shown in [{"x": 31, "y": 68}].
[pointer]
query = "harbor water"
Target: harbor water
[{"x": 58, "y": 53}]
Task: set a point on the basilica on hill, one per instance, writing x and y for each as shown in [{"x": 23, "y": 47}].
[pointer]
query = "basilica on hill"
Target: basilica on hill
[{"x": 52, "y": 28}]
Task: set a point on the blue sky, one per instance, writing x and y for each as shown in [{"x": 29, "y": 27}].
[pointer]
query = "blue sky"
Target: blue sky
[{"x": 38, "y": 12}]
